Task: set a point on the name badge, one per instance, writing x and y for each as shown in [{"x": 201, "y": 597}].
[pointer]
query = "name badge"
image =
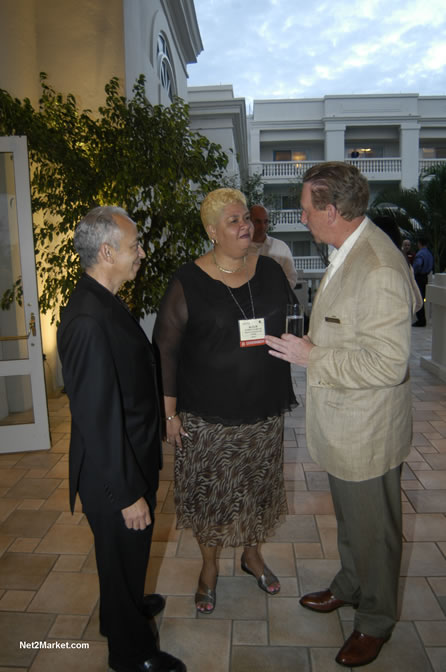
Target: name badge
[{"x": 252, "y": 332}]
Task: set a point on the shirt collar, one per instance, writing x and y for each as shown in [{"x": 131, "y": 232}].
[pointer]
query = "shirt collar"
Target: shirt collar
[{"x": 347, "y": 245}]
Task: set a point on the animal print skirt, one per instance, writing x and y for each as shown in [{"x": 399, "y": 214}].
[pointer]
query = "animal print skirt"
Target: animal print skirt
[{"x": 229, "y": 484}]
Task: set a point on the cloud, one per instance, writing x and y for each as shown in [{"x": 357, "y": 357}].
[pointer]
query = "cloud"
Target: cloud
[{"x": 287, "y": 48}]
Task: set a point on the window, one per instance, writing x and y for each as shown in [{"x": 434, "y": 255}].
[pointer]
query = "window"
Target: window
[
  {"x": 282, "y": 155},
  {"x": 299, "y": 156},
  {"x": 289, "y": 203},
  {"x": 428, "y": 153},
  {"x": 365, "y": 152},
  {"x": 301, "y": 248},
  {"x": 289, "y": 155},
  {"x": 165, "y": 72},
  {"x": 433, "y": 152}
]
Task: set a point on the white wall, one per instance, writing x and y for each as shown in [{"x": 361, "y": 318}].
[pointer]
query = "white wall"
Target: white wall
[
  {"x": 396, "y": 124},
  {"x": 216, "y": 114},
  {"x": 81, "y": 45},
  {"x": 78, "y": 43},
  {"x": 143, "y": 21},
  {"x": 285, "y": 110}
]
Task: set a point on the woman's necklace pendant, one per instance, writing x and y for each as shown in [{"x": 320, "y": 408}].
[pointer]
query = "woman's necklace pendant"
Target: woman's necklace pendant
[{"x": 226, "y": 270}]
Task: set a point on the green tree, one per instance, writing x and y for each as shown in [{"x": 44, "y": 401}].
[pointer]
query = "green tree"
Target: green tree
[
  {"x": 253, "y": 188},
  {"x": 421, "y": 210},
  {"x": 142, "y": 157}
]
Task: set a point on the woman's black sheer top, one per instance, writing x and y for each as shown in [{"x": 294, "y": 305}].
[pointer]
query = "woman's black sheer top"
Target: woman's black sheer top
[{"x": 202, "y": 363}]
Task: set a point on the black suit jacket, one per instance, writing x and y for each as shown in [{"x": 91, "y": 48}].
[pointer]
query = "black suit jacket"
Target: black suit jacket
[{"x": 110, "y": 377}]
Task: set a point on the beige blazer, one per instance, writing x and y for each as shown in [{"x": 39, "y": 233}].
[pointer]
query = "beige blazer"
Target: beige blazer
[{"x": 359, "y": 421}]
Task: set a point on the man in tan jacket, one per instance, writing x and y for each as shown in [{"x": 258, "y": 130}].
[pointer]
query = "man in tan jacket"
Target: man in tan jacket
[{"x": 359, "y": 424}]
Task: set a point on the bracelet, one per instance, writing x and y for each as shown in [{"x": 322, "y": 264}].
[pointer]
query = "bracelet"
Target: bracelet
[{"x": 171, "y": 417}]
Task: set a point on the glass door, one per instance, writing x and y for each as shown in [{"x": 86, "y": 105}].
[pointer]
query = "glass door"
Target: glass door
[{"x": 23, "y": 405}]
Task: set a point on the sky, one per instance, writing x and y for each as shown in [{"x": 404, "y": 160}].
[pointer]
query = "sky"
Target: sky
[{"x": 312, "y": 48}]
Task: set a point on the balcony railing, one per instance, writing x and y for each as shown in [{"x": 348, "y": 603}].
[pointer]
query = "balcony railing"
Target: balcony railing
[
  {"x": 383, "y": 167},
  {"x": 311, "y": 271},
  {"x": 374, "y": 168},
  {"x": 430, "y": 163},
  {"x": 285, "y": 217},
  {"x": 286, "y": 169},
  {"x": 309, "y": 264}
]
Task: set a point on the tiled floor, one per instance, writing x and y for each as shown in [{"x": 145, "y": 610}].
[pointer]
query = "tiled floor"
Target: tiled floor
[{"x": 49, "y": 589}]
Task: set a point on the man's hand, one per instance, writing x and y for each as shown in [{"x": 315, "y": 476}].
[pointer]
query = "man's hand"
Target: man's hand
[
  {"x": 137, "y": 515},
  {"x": 290, "y": 348}
]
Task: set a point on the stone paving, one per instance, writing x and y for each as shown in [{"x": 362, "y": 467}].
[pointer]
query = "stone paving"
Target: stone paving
[{"x": 49, "y": 588}]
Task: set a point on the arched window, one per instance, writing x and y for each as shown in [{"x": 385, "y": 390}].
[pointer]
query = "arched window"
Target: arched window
[{"x": 165, "y": 71}]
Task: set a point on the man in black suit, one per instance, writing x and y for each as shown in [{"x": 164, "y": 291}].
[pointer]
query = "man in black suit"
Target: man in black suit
[{"x": 115, "y": 451}]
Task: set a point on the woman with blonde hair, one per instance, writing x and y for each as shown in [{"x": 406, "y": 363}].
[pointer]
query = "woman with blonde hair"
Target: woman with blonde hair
[{"x": 224, "y": 395}]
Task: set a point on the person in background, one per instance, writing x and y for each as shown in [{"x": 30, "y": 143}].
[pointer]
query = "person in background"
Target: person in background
[
  {"x": 271, "y": 247},
  {"x": 224, "y": 396},
  {"x": 358, "y": 401},
  {"x": 423, "y": 264},
  {"x": 388, "y": 224},
  {"x": 109, "y": 372},
  {"x": 406, "y": 248}
]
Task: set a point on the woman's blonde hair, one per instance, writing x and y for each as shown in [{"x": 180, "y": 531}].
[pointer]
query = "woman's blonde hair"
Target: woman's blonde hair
[{"x": 212, "y": 206}]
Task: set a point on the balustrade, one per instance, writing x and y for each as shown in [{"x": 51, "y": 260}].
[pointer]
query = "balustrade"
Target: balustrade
[
  {"x": 378, "y": 167},
  {"x": 425, "y": 164}
]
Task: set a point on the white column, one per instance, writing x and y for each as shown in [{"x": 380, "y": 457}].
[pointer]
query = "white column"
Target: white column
[
  {"x": 409, "y": 144},
  {"x": 334, "y": 141},
  {"x": 436, "y": 295},
  {"x": 255, "y": 165}
]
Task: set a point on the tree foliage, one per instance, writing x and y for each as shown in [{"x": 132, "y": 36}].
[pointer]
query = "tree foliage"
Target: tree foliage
[
  {"x": 253, "y": 188},
  {"x": 421, "y": 211},
  {"x": 139, "y": 156}
]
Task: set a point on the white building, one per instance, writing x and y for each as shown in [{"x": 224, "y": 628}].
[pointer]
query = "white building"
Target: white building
[
  {"x": 215, "y": 113},
  {"x": 81, "y": 44},
  {"x": 391, "y": 138}
]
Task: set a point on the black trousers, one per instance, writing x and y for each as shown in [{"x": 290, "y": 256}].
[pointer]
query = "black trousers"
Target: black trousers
[
  {"x": 122, "y": 557},
  {"x": 421, "y": 280},
  {"x": 369, "y": 520}
]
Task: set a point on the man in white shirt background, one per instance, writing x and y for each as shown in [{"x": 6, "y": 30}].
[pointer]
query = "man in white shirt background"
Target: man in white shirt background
[{"x": 271, "y": 247}]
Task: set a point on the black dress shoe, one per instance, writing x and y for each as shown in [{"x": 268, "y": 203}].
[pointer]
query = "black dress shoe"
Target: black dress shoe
[
  {"x": 159, "y": 662},
  {"x": 360, "y": 649},
  {"x": 324, "y": 601},
  {"x": 153, "y": 604}
]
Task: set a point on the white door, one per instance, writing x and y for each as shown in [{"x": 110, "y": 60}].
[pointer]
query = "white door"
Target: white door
[{"x": 23, "y": 407}]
